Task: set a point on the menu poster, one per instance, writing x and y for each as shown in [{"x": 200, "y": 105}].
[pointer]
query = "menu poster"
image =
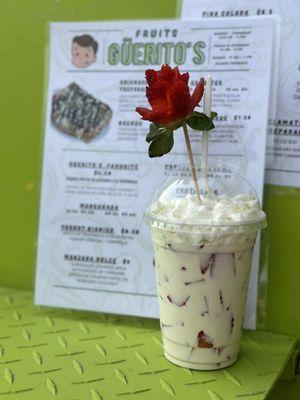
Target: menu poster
[
  {"x": 94, "y": 251},
  {"x": 283, "y": 153}
]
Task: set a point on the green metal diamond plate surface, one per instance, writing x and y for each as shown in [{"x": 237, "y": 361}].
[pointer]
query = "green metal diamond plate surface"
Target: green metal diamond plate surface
[{"x": 48, "y": 353}]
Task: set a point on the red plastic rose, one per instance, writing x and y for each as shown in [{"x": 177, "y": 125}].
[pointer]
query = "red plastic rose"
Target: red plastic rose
[{"x": 169, "y": 96}]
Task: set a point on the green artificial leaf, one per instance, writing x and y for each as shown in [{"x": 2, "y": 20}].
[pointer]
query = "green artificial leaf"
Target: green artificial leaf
[
  {"x": 200, "y": 122},
  {"x": 213, "y": 115},
  {"x": 162, "y": 144},
  {"x": 153, "y": 132}
]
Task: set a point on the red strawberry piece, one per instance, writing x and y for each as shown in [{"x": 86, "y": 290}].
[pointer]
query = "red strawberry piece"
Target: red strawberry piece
[
  {"x": 196, "y": 281},
  {"x": 231, "y": 324},
  {"x": 221, "y": 298},
  {"x": 206, "y": 311},
  {"x": 208, "y": 265},
  {"x": 204, "y": 341},
  {"x": 169, "y": 96},
  {"x": 169, "y": 298},
  {"x": 233, "y": 260},
  {"x": 178, "y": 304}
]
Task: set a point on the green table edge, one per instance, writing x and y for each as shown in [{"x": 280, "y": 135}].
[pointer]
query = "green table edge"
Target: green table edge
[{"x": 60, "y": 353}]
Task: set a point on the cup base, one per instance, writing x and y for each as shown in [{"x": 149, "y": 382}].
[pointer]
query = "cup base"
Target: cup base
[{"x": 200, "y": 366}]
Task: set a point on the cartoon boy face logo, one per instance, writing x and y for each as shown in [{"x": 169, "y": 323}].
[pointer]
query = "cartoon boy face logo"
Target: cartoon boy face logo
[{"x": 84, "y": 50}]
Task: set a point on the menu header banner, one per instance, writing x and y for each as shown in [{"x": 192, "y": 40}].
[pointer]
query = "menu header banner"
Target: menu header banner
[{"x": 131, "y": 52}]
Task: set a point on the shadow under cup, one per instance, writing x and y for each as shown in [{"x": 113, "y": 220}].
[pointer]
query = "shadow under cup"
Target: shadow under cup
[{"x": 202, "y": 289}]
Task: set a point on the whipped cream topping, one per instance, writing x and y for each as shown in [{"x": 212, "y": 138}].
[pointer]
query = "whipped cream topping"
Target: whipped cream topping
[{"x": 222, "y": 210}]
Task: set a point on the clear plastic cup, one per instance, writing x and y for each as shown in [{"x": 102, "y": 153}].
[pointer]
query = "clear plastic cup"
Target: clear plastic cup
[{"x": 202, "y": 272}]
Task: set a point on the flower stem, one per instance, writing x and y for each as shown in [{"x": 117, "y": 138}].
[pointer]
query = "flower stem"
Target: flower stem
[{"x": 192, "y": 164}]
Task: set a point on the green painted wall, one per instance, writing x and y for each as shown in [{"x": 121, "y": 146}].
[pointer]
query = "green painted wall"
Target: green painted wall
[
  {"x": 23, "y": 32},
  {"x": 282, "y": 205},
  {"x": 22, "y": 43}
]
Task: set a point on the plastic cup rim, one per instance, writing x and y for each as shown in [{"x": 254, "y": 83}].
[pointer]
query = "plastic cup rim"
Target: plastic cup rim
[{"x": 261, "y": 221}]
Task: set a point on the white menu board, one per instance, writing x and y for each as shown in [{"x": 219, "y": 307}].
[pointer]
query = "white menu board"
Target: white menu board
[
  {"x": 283, "y": 153},
  {"x": 94, "y": 251}
]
